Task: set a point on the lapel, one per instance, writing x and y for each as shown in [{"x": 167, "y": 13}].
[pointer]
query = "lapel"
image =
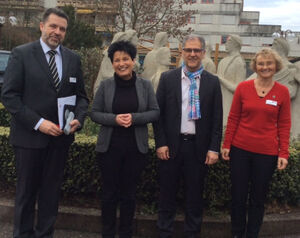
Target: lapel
[
  {"x": 65, "y": 58},
  {"x": 178, "y": 88},
  {"x": 203, "y": 87},
  {"x": 41, "y": 58},
  {"x": 139, "y": 92},
  {"x": 110, "y": 93}
]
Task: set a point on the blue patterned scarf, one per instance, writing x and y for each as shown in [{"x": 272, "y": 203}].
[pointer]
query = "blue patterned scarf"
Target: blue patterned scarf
[{"x": 194, "y": 100}]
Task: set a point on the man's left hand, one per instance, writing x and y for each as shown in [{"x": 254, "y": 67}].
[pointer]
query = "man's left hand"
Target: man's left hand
[
  {"x": 75, "y": 124},
  {"x": 211, "y": 157}
]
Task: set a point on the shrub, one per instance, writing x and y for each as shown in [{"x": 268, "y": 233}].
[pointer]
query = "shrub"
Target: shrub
[
  {"x": 90, "y": 59},
  {"x": 82, "y": 175},
  {"x": 4, "y": 116}
]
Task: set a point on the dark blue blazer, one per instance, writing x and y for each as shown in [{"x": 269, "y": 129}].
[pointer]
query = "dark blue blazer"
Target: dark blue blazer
[
  {"x": 28, "y": 93},
  {"x": 208, "y": 127}
]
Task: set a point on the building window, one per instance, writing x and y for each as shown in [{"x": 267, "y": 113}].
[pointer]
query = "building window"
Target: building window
[
  {"x": 228, "y": 20},
  {"x": 190, "y": 1},
  {"x": 192, "y": 20},
  {"x": 206, "y": 19},
  {"x": 207, "y": 1},
  {"x": 223, "y": 39}
]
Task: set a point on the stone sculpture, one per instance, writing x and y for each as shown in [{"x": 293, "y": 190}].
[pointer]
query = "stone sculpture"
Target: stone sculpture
[
  {"x": 207, "y": 62},
  {"x": 131, "y": 35},
  {"x": 106, "y": 70},
  {"x": 150, "y": 61},
  {"x": 231, "y": 71},
  {"x": 163, "y": 59}
]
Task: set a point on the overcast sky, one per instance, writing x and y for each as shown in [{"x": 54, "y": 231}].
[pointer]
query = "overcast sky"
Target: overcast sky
[{"x": 277, "y": 12}]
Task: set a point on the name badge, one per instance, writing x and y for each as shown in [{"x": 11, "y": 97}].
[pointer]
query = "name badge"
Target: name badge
[
  {"x": 271, "y": 102},
  {"x": 72, "y": 80}
]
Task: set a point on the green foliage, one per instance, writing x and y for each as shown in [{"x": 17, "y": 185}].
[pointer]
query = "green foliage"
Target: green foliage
[
  {"x": 7, "y": 164},
  {"x": 12, "y": 36},
  {"x": 217, "y": 187},
  {"x": 90, "y": 59},
  {"x": 4, "y": 116},
  {"x": 83, "y": 177},
  {"x": 285, "y": 186},
  {"x": 90, "y": 128},
  {"x": 80, "y": 34}
]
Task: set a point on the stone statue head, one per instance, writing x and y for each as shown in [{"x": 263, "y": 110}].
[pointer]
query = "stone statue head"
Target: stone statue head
[
  {"x": 267, "y": 53},
  {"x": 282, "y": 46},
  {"x": 161, "y": 39},
  {"x": 163, "y": 56},
  {"x": 131, "y": 36},
  {"x": 208, "y": 49},
  {"x": 119, "y": 36},
  {"x": 233, "y": 43}
]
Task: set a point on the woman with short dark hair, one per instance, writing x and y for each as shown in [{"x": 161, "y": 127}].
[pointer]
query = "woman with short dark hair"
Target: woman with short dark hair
[{"x": 123, "y": 105}]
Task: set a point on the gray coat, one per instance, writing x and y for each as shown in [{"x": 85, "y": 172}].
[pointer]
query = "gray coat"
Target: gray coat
[{"x": 148, "y": 111}]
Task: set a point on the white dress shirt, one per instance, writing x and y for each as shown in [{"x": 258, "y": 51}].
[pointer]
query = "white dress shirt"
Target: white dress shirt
[
  {"x": 58, "y": 61},
  {"x": 187, "y": 125}
]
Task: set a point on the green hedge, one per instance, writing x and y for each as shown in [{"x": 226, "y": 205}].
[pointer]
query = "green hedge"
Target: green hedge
[
  {"x": 4, "y": 116},
  {"x": 82, "y": 175}
]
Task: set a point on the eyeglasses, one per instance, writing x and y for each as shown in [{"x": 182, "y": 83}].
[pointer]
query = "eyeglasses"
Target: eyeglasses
[{"x": 196, "y": 50}]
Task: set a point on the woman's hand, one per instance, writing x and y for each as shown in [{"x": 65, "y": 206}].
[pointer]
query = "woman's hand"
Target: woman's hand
[
  {"x": 124, "y": 120},
  {"x": 225, "y": 154},
  {"x": 282, "y": 163}
]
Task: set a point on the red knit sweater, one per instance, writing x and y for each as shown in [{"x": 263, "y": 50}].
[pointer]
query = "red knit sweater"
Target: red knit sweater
[{"x": 259, "y": 125}]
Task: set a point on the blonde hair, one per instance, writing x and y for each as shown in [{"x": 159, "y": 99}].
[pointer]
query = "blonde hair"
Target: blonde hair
[{"x": 266, "y": 53}]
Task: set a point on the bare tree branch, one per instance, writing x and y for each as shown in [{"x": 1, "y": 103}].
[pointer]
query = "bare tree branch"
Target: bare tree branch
[{"x": 151, "y": 16}]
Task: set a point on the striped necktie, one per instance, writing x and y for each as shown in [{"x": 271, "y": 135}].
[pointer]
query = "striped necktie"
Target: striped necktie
[{"x": 53, "y": 68}]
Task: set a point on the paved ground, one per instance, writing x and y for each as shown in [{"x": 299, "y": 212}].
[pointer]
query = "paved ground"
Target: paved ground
[{"x": 6, "y": 232}]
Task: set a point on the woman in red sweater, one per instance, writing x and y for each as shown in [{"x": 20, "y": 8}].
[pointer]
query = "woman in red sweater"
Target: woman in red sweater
[{"x": 256, "y": 140}]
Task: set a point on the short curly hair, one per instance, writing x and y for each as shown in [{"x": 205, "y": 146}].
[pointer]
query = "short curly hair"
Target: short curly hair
[
  {"x": 267, "y": 52},
  {"x": 124, "y": 46}
]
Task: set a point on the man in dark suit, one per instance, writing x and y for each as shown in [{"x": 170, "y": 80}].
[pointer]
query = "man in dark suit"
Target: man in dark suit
[
  {"x": 32, "y": 84},
  {"x": 187, "y": 135}
]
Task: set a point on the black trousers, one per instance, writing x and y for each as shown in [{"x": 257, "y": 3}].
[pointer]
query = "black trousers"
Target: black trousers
[
  {"x": 39, "y": 177},
  {"x": 186, "y": 165},
  {"x": 249, "y": 171},
  {"x": 120, "y": 167}
]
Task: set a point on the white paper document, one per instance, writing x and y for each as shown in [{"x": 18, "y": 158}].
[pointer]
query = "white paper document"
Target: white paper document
[{"x": 61, "y": 103}]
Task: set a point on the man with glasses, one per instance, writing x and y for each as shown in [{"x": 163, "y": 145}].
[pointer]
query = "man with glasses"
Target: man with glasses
[{"x": 188, "y": 136}]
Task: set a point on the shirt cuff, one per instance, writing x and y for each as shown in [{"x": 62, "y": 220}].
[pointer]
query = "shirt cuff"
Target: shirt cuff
[
  {"x": 213, "y": 151},
  {"x": 37, "y": 126}
]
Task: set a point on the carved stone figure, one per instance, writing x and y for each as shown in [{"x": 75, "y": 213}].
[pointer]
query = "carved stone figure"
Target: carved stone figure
[
  {"x": 106, "y": 70},
  {"x": 150, "y": 61},
  {"x": 207, "y": 62},
  {"x": 163, "y": 59},
  {"x": 131, "y": 35},
  {"x": 296, "y": 106},
  {"x": 231, "y": 71},
  {"x": 290, "y": 77}
]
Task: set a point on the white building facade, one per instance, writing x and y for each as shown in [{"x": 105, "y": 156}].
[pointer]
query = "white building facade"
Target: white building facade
[{"x": 216, "y": 19}]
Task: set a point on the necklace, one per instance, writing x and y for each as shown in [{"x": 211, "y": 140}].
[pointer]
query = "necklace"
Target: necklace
[{"x": 263, "y": 89}]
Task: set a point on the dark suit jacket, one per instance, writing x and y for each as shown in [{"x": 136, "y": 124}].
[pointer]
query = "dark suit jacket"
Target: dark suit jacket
[
  {"x": 28, "y": 93},
  {"x": 208, "y": 128}
]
